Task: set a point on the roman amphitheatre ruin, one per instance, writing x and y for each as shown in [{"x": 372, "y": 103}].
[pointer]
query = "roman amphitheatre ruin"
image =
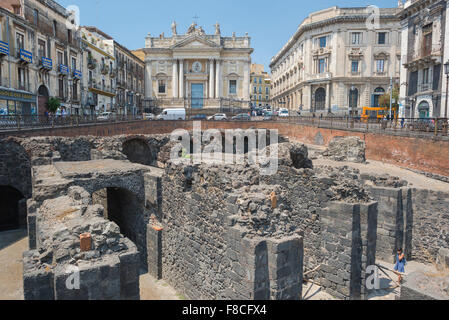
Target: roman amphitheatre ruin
[{"x": 112, "y": 205}]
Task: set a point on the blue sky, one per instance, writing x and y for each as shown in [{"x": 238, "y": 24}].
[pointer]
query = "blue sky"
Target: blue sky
[{"x": 269, "y": 23}]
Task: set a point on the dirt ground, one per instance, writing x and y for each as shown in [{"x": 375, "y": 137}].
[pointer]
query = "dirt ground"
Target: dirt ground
[
  {"x": 12, "y": 245},
  {"x": 415, "y": 180},
  {"x": 152, "y": 289}
]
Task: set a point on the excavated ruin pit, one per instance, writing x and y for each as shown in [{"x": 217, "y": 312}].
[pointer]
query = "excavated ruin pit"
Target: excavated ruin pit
[{"x": 213, "y": 231}]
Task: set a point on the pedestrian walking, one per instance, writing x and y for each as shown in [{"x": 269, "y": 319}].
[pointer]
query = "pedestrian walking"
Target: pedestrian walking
[{"x": 400, "y": 264}]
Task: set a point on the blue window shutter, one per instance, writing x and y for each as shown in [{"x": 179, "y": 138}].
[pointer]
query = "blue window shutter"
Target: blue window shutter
[{"x": 372, "y": 100}]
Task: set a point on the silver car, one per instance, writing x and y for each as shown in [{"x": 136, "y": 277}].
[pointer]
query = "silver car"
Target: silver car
[{"x": 218, "y": 117}]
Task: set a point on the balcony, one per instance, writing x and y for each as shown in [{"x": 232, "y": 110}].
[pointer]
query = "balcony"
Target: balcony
[
  {"x": 46, "y": 64},
  {"x": 104, "y": 69},
  {"x": 77, "y": 74},
  {"x": 63, "y": 70},
  {"x": 320, "y": 76},
  {"x": 91, "y": 64},
  {"x": 423, "y": 87},
  {"x": 105, "y": 90},
  {"x": 4, "y": 49},
  {"x": 24, "y": 87},
  {"x": 24, "y": 56},
  {"x": 120, "y": 83}
]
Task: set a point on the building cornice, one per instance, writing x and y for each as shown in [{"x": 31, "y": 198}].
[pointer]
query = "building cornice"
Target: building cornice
[
  {"x": 323, "y": 23},
  {"x": 98, "y": 50},
  {"x": 417, "y": 6}
]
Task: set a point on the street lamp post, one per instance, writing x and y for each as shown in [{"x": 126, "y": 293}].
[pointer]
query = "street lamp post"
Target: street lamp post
[
  {"x": 446, "y": 71},
  {"x": 391, "y": 96}
]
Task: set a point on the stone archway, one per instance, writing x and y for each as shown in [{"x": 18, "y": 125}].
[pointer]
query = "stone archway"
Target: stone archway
[
  {"x": 138, "y": 151},
  {"x": 125, "y": 209},
  {"x": 10, "y": 211}
]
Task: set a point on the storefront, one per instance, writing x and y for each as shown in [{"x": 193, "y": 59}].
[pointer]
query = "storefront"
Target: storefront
[{"x": 13, "y": 102}]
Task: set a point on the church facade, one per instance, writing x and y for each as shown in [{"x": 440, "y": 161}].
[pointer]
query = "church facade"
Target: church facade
[{"x": 196, "y": 70}]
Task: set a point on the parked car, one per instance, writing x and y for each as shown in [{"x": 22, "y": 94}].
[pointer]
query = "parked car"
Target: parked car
[
  {"x": 269, "y": 116},
  {"x": 242, "y": 117},
  {"x": 283, "y": 113},
  {"x": 199, "y": 117},
  {"x": 106, "y": 116},
  {"x": 172, "y": 114},
  {"x": 218, "y": 117},
  {"x": 149, "y": 116}
]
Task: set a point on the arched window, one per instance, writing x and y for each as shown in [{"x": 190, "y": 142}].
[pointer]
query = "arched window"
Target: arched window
[
  {"x": 353, "y": 99},
  {"x": 320, "y": 99},
  {"x": 377, "y": 93}
]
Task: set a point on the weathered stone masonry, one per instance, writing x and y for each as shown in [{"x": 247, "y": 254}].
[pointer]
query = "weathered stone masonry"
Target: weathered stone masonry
[{"x": 213, "y": 232}]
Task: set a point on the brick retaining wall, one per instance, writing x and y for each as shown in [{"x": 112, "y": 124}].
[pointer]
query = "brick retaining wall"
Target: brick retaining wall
[{"x": 411, "y": 150}]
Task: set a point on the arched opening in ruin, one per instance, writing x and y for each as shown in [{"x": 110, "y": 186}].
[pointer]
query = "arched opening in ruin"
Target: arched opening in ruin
[
  {"x": 10, "y": 208},
  {"x": 122, "y": 207},
  {"x": 138, "y": 151}
]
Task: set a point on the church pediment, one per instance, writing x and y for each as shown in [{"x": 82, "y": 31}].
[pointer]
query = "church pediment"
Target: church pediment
[{"x": 195, "y": 42}]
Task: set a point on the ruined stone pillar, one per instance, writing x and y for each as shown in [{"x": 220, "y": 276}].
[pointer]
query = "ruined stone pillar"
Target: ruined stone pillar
[
  {"x": 349, "y": 234},
  {"x": 154, "y": 250}
]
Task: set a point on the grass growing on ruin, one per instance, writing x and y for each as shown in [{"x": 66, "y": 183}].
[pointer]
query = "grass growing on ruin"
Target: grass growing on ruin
[{"x": 180, "y": 296}]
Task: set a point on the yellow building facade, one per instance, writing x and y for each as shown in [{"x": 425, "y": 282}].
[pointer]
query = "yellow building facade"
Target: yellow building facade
[{"x": 260, "y": 86}]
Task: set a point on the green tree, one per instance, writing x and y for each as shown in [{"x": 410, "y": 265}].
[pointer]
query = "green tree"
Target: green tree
[
  {"x": 384, "y": 100},
  {"x": 53, "y": 104}
]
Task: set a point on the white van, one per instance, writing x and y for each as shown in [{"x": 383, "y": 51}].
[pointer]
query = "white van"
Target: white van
[{"x": 172, "y": 114}]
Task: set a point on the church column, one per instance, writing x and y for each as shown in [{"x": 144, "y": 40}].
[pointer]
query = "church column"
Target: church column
[
  {"x": 211, "y": 79},
  {"x": 246, "y": 89},
  {"x": 218, "y": 83},
  {"x": 149, "y": 80},
  {"x": 181, "y": 78},
  {"x": 175, "y": 80}
]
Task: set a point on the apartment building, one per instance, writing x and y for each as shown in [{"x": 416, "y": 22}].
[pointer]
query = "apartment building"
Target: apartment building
[
  {"x": 130, "y": 81},
  {"x": 260, "y": 86},
  {"x": 99, "y": 66},
  {"x": 39, "y": 58},
  {"x": 337, "y": 63},
  {"x": 424, "y": 53}
]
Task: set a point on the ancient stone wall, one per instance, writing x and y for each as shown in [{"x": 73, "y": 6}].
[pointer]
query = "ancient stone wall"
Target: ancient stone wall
[
  {"x": 430, "y": 224},
  {"x": 348, "y": 247},
  {"x": 107, "y": 270}
]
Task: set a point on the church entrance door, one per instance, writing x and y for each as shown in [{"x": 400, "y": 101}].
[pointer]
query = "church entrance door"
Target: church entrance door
[{"x": 197, "y": 90}]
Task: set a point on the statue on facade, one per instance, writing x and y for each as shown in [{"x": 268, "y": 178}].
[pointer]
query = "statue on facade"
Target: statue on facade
[
  {"x": 173, "y": 28},
  {"x": 192, "y": 28},
  {"x": 201, "y": 31},
  {"x": 217, "y": 29}
]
